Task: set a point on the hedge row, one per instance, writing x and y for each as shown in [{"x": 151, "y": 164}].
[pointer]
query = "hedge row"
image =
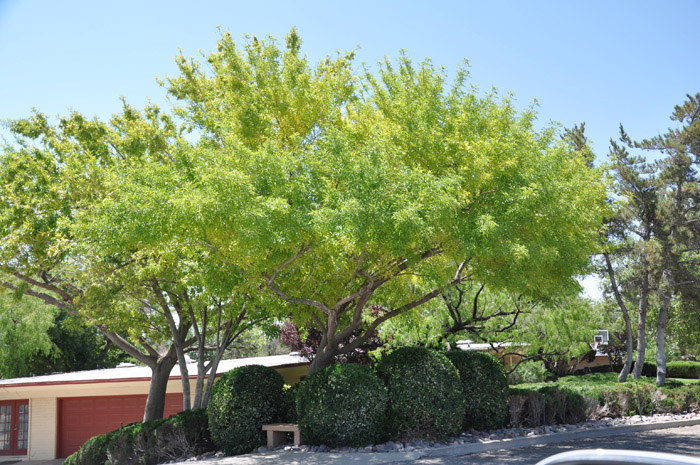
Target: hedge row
[
  {"x": 412, "y": 393},
  {"x": 686, "y": 370},
  {"x": 185, "y": 434},
  {"x": 572, "y": 402}
]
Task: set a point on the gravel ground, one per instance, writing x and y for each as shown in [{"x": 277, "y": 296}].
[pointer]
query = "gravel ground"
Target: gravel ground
[{"x": 465, "y": 438}]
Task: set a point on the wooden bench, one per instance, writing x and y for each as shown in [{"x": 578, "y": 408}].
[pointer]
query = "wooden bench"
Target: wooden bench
[{"x": 277, "y": 433}]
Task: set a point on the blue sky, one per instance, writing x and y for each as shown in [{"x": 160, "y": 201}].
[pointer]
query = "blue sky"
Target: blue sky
[{"x": 602, "y": 62}]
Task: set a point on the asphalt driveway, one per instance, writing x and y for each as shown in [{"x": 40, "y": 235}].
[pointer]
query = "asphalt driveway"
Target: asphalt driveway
[{"x": 685, "y": 440}]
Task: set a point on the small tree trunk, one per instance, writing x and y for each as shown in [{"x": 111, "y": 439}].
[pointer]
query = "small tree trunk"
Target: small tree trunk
[
  {"x": 160, "y": 372},
  {"x": 629, "y": 355},
  {"x": 642, "y": 326},
  {"x": 184, "y": 378},
  {"x": 199, "y": 385},
  {"x": 661, "y": 331},
  {"x": 661, "y": 349},
  {"x": 212, "y": 378}
]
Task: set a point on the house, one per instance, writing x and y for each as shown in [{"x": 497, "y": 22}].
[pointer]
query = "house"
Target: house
[
  {"x": 51, "y": 416},
  {"x": 508, "y": 352}
]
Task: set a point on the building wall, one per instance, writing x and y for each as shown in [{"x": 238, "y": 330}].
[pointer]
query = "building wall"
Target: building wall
[
  {"x": 43, "y": 403},
  {"x": 292, "y": 375},
  {"x": 42, "y": 428}
]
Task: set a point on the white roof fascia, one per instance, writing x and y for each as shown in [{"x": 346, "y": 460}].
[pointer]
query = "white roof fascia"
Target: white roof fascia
[{"x": 144, "y": 372}]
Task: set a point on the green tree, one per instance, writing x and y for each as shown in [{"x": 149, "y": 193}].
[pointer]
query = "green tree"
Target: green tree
[
  {"x": 48, "y": 176},
  {"x": 656, "y": 226},
  {"x": 632, "y": 238},
  {"x": 576, "y": 137},
  {"x": 24, "y": 327},
  {"x": 337, "y": 190},
  {"x": 53, "y": 179},
  {"x": 553, "y": 331},
  {"x": 153, "y": 274},
  {"x": 679, "y": 229}
]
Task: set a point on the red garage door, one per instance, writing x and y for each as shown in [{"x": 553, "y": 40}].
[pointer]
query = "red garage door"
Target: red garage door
[{"x": 80, "y": 418}]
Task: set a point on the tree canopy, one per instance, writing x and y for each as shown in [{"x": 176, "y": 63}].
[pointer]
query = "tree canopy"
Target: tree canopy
[
  {"x": 281, "y": 188},
  {"x": 336, "y": 190}
]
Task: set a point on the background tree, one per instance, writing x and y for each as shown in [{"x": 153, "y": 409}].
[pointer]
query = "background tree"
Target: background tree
[
  {"x": 553, "y": 332},
  {"x": 24, "y": 329},
  {"x": 680, "y": 219},
  {"x": 633, "y": 234},
  {"x": 76, "y": 347},
  {"x": 656, "y": 226}
]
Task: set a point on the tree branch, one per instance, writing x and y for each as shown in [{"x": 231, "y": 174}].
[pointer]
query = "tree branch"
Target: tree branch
[{"x": 48, "y": 299}]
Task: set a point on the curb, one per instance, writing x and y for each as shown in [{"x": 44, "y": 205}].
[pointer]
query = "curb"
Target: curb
[{"x": 552, "y": 438}]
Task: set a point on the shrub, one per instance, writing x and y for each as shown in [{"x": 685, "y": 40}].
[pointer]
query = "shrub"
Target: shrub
[
  {"x": 342, "y": 405},
  {"x": 425, "y": 394},
  {"x": 241, "y": 402},
  {"x": 648, "y": 369},
  {"x": 182, "y": 435},
  {"x": 288, "y": 409},
  {"x": 485, "y": 388},
  {"x": 528, "y": 372},
  {"x": 185, "y": 434},
  {"x": 563, "y": 406},
  {"x": 131, "y": 444},
  {"x": 548, "y": 405},
  {"x": 93, "y": 452},
  {"x": 687, "y": 370}
]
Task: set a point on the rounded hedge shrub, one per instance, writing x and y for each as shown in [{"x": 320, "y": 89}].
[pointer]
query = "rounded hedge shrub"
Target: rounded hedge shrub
[
  {"x": 241, "y": 402},
  {"x": 342, "y": 405},
  {"x": 425, "y": 395},
  {"x": 485, "y": 388}
]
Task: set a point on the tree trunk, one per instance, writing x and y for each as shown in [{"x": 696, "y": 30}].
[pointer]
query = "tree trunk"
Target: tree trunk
[
  {"x": 160, "y": 372},
  {"x": 199, "y": 385},
  {"x": 161, "y": 363},
  {"x": 210, "y": 381},
  {"x": 629, "y": 355},
  {"x": 661, "y": 331},
  {"x": 324, "y": 357},
  {"x": 661, "y": 347},
  {"x": 642, "y": 326},
  {"x": 184, "y": 378}
]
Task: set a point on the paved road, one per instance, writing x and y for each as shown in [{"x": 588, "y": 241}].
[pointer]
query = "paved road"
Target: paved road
[{"x": 678, "y": 441}]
